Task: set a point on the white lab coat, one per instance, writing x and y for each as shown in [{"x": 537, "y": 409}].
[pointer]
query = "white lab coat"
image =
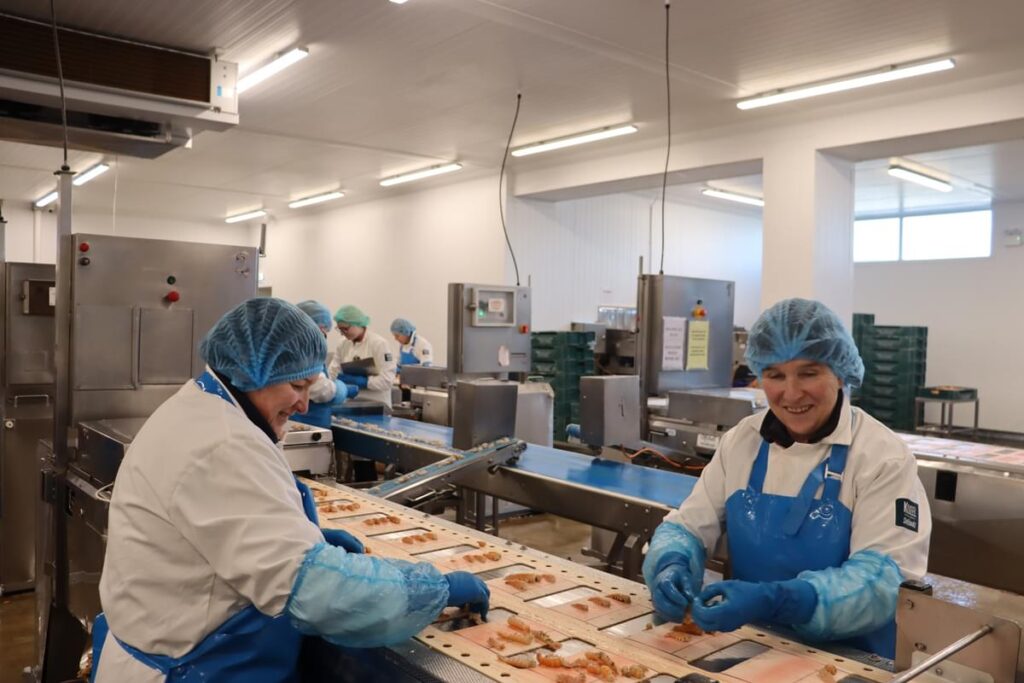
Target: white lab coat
[
  {"x": 323, "y": 389},
  {"x": 879, "y": 470},
  {"x": 205, "y": 520},
  {"x": 421, "y": 348},
  {"x": 378, "y": 387}
]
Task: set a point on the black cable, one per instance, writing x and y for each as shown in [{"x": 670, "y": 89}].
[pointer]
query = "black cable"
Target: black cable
[
  {"x": 60, "y": 81},
  {"x": 668, "y": 143},
  {"x": 501, "y": 181}
]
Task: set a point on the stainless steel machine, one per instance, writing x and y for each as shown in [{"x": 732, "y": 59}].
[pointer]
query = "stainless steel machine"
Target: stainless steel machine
[
  {"x": 130, "y": 314},
  {"x": 488, "y": 342},
  {"x": 26, "y": 407}
]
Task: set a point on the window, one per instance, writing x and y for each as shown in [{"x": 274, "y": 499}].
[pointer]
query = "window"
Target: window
[
  {"x": 947, "y": 235},
  {"x": 965, "y": 234},
  {"x": 876, "y": 240}
]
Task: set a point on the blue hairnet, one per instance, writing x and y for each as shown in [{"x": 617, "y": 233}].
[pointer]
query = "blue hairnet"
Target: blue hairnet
[
  {"x": 264, "y": 341},
  {"x": 801, "y": 329},
  {"x": 351, "y": 315},
  {"x": 320, "y": 314},
  {"x": 403, "y": 327}
]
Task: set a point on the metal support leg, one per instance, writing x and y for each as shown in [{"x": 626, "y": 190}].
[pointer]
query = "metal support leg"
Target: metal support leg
[
  {"x": 480, "y": 516},
  {"x": 460, "y": 507},
  {"x": 494, "y": 515},
  {"x": 633, "y": 558}
]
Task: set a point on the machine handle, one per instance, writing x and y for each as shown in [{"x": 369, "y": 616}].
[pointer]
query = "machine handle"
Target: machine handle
[
  {"x": 943, "y": 654},
  {"x": 45, "y": 397}
]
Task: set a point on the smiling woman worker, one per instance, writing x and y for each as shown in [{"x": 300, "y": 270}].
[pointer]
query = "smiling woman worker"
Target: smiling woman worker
[
  {"x": 824, "y": 509},
  {"x": 215, "y": 567}
]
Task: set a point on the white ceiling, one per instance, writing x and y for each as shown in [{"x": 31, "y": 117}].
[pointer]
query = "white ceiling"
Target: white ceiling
[{"x": 389, "y": 88}]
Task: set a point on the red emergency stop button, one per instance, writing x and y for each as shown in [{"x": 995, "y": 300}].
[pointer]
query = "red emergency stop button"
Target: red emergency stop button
[
  {"x": 83, "y": 247},
  {"x": 523, "y": 329},
  {"x": 172, "y": 296}
]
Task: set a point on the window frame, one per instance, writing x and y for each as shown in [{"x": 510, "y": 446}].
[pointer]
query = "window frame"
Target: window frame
[{"x": 900, "y": 215}]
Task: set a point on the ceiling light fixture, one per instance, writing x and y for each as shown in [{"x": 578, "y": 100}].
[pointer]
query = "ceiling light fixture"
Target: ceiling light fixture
[
  {"x": 46, "y": 200},
  {"x": 315, "y": 199},
  {"x": 238, "y": 218},
  {"x": 915, "y": 176},
  {"x": 399, "y": 2},
  {"x": 83, "y": 178},
  {"x": 847, "y": 83},
  {"x": 571, "y": 140},
  {"x": 417, "y": 175},
  {"x": 732, "y": 196},
  {"x": 279, "y": 63}
]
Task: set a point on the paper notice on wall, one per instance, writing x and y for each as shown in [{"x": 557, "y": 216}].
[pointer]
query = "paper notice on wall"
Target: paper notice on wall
[
  {"x": 673, "y": 343},
  {"x": 697, "y": 345}
]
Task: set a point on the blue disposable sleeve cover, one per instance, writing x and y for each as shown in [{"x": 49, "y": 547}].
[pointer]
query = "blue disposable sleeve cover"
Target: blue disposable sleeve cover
[
  {"x": 853, "y": 599},
  {"x": 361, "y": 601},
  {"x": 674, "y": 542}
]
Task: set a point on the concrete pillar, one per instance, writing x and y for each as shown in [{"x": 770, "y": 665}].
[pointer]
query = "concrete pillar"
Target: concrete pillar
[{"x": 808, "y": 228}]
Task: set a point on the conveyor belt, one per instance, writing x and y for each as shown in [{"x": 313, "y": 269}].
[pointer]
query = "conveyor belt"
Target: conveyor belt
[
  {"x": 667, "y": 489},
  {"x": 582, "y": 609}
]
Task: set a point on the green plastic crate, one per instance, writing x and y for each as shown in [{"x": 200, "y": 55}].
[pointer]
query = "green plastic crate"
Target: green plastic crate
[
  {"x": 547, "y": 340},
  {"x": 872, "y": 355}
]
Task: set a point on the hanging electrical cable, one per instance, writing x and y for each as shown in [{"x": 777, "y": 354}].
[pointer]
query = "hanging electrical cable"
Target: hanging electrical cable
[
  {"x": 668, "y": 143},
  {"x": 501, "y": 183},
  {"x": 60, "y": 82}
]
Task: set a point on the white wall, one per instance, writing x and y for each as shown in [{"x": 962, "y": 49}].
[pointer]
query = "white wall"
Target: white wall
[
  {"x": 31, "y": 236},
  {"x": 974, "y": 313},
  {"x": 583, "y": 253},
  {"x": 392, "y": 257}
]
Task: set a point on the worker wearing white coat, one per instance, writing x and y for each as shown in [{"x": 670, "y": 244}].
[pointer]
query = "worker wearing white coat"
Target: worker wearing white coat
[
  {"x": 360, "y": 343},
  {"x": 215, "y": 567},
  {"x": 825, "y": 513},
  {"x": 414, "y": 349},
  {"x": 326, "y": 395}
]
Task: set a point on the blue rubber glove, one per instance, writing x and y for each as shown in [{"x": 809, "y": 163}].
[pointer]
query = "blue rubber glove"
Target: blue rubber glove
[
  {"x": 340, "y": 391},
  {"x": 344, "y": 540},
  {"x": 672, "y": 591},
  {"x": 465, "y": 588},
  {"x": 781, "y": 602},
  {"x": 308, "y": 502},
  {"x": 358, "y": 380},
  {"x": 352, "y": 390}
]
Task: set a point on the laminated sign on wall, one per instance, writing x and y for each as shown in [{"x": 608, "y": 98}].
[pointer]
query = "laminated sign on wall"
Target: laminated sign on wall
[
  {"x": 697, "y": 346},
  {"x": 673, "y": 342}
]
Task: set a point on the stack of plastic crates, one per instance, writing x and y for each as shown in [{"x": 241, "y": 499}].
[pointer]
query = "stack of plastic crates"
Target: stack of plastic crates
[
  {"x": 560, "y": 359},
  {"x": 895, "y": 360}
]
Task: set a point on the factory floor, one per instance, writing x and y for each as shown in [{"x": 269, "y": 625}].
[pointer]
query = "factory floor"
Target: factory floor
[
  {"x": 17, "y": 635},
  {"x": 553, "y": 535}
]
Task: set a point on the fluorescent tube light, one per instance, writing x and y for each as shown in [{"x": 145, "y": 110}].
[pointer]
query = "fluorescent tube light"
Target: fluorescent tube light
[
  {"x": 399, "y": 2},
  {"x": 849, "y": 83},
  {"x": 580, "y": 139},
  {"x": 732, "y": 196},
  {"x": 238, "y": 218},
  {"x": 280, "y": 63},
  {"x": 83, "y": 178},
  {"x": 315, "y": 199},
  {"x": 417, "y": 175},
  {"x": 932, "y": 182},
  {"x": 46, "y": 200}
]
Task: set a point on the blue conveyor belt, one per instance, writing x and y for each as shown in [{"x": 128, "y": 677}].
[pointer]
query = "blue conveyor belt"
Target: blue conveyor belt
[{"x": 659, "y": 486}]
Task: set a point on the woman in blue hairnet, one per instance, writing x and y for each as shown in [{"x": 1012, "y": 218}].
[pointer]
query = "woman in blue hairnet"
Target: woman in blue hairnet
[
  {"x": 215, "y": 565},
  {"x": 824, "y": 510},
  {"x": 325, "y": 394},
  {"x": 414, "y": 349}
]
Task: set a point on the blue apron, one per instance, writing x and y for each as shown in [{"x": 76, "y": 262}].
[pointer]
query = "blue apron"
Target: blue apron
[
  {"x": 250, "y": 647},
  {"x": 774, "y": 538}
]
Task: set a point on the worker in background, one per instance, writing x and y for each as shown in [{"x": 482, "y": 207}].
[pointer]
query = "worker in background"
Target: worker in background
[
  {"x": 360, "y": 344},
  {"x": 414, "y": 348},
  {"x": 326, "y": 394},
  {"x": 215, "y": 566},
  {"x": 825, "y": 512}
]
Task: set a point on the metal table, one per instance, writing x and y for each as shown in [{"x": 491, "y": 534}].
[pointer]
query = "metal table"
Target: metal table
[{"x": 945, "y": 426}]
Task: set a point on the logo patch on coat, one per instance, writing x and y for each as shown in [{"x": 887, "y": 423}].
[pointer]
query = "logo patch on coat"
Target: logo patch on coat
[
  {"x": 906, "y": 514},
  {"x": 387, "y": 357}
]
